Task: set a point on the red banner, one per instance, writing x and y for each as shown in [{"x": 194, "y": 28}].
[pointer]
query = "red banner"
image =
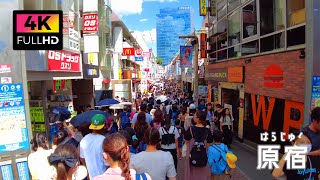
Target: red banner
[
  {"x": 63, "y": 61},
  {"x": 90, "y": 23}
]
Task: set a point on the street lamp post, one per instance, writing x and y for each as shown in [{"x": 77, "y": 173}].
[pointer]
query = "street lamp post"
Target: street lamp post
[{"x": 195, "y": 66}]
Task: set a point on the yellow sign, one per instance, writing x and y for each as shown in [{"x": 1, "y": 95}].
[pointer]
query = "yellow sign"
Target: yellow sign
[
  {"x": 203, "y": 7},
  {"x": 36, "y": 114},
  {"x": 38, "y": 127},
  {"x": 91, "y": 58}
]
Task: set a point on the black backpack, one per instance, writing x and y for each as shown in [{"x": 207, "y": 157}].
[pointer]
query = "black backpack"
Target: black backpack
[
  {"x": 167, "y": 138},
  {"x": 198, "y": 153}
]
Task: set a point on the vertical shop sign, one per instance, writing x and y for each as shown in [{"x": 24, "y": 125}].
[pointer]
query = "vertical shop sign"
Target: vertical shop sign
[
  {"x": 6, "y": 170},
  {"x": 13, "y": 131},
  {"x": 22, "y": 167},
  {"x": 90, "y": 23},
  {"x": 178, "y": 70},
  {"x": 203, "y": 7},
  {"x": 203, "y": 45},
  {"x": 213, "y": 8},
  {"x": 315, "y": 92}
]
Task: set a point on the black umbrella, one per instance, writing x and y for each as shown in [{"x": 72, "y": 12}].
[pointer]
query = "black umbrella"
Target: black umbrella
[{"x": 86, "y": 117}]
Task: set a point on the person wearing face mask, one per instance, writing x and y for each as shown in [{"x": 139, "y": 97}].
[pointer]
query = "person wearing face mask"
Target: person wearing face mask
[{"x": 312, "y": 170}]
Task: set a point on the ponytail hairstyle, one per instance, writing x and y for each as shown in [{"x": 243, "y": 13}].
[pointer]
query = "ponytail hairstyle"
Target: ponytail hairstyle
[
  {"x": 39, "y": 140},
  {"x": 116, "y": 147},
  {"x": 64, "y": 158}
]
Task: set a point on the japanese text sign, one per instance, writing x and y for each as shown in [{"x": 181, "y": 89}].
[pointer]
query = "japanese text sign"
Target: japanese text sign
[
  {"x": 90, "y": 23},
  {"x": 203, "y": 7},
  {"x": 63, "y": 61},
  {"x": 203, "y": 45}
]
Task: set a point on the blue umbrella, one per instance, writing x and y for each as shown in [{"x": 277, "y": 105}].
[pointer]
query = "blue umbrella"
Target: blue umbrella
[
  {"x": 107, "y": 102},
  {"x": 86, "y": 117},
  {"x": 59, "y": 114}
]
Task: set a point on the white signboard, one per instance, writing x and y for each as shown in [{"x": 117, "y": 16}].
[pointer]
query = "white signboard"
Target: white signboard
[
  {"x": 74, "y": 45},
  {"x": 90, "y": 5},
  {"x": 91, "y": 44}
]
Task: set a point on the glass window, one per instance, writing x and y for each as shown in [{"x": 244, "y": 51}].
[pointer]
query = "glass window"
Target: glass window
[
  {"x": 250, "y": 48},
  {"x": 234, "y": 52},
  {"x": 222, "y": 54},
  {"x": 222, "y": 9},
  {"x": 296, "y": 12},
  {"x": 296, "y": 36},
  {"x": 273, "y": 42},
  {"x": 233, "y": 4},
  {"x": 222, "y": 41},
  {"x": 249, "y": 21},
  {"x": 234, "y": 28},
  {"x": 272, "y": 16},
  {"x": 222, "y": 25}
]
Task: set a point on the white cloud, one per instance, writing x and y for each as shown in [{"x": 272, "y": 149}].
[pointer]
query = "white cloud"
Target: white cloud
[
  {"x": 126, "y": 7},
  {"x": 143, "y": 20}
]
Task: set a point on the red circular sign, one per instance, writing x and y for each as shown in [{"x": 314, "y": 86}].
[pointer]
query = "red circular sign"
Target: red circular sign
[{"x": 139, "y": 52}]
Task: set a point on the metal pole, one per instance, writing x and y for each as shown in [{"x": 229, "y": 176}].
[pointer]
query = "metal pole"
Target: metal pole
[
  {"x": 196, "y": 69},
  {"x": 312, "y": 53}
]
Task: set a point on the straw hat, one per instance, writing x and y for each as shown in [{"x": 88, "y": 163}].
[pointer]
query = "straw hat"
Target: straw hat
[{"x": 231, "y": 160}]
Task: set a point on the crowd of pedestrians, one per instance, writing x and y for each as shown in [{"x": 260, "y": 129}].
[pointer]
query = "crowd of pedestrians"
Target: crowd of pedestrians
[{"x": 147, "y": 142}]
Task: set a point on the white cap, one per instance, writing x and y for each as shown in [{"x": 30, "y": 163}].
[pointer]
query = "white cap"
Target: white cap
[
  {"x": 152, "y": 112},
  {"x": 192, "y": 106}
]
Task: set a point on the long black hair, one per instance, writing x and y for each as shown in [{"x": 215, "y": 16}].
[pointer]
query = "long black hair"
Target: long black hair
[{"x": 223, "y": 113}]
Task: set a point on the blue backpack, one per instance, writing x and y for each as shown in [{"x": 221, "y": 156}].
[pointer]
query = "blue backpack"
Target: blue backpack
[
  {"x": 125, "y": 121},
  {"x": 220, "y": 166},
  {"x": 141, "y": 176}
]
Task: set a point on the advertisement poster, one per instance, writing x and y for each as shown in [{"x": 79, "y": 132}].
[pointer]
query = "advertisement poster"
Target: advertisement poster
[
  {"x": 13, "y": 131},
  {"x": 178, "y": 70},
  {"x": 203, "y": 92},
  {"x": 90, "y": 23},
  {"x": 63, "y": 61},
  {"x": 22, "y": 167},
  {"x": 315, "y": 92},
  {"x": 185, "y": 56},
  {"x": 6, "y": 170}
]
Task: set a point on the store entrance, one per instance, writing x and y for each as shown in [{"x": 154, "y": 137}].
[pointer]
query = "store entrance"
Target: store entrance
[{"x": 231, "y": 99}]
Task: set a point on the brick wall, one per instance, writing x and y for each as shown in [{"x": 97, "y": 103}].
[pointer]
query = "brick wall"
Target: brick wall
[{"x": 293, "y": 73}]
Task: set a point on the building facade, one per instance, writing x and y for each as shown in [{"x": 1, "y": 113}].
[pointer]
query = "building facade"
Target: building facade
[
  {"x": 256, "y": 64},
  {"x": 171, "y": 23}
]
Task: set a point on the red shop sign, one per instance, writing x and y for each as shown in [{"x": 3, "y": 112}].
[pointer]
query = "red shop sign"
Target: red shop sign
[
  {"x": 63, "y": 61},
  {"x": 90, "y": 23}
]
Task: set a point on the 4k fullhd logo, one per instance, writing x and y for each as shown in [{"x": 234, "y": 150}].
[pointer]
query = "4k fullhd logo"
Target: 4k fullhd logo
[{"x": 37, "y": 30}]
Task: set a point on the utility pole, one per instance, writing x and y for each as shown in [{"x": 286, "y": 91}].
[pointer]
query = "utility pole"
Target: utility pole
[{"x": 195, "y": 44}]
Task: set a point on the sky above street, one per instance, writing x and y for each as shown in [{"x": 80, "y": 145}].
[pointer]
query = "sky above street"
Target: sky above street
[{"x": 140, "y": 15}]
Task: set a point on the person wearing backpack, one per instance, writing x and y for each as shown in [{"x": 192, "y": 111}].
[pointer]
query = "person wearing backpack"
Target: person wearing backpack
[
  {"x": 169, "y": 140},
  {"x": 125, "y": 119},
  {"x": 217, "y": 158},
  {"x": 198, "y": 138}
]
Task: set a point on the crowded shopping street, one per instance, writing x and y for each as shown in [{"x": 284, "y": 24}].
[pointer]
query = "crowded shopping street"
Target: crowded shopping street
[{"x": 159, "y": 90}]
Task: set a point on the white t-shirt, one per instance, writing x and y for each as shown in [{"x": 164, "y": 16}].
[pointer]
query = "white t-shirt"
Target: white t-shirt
[
  {"x": 168, "y": 108},
  {"x": 91, "y": 151},
  {"x": 172, "y": 130},
  {"x": 158, "y": 165},
  {"x": 39, "y": 166}
]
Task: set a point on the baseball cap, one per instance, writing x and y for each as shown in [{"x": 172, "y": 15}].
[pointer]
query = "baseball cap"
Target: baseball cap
[
  {"x": 192, "y": 106},
  {"x": 97, "y": 122}
]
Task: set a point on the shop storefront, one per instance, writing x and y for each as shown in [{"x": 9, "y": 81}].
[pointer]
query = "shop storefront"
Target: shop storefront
[
  {"x": 274, "y": 87},
  {"x": 225, "y": 86}
]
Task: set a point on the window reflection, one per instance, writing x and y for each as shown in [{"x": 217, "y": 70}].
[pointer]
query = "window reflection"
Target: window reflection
[
  {"x": 249, "y": 20},
  {"x": 272, "y": 16},
  {"x": 296, "y": 12},
  {"x": 234, "y": 28}
]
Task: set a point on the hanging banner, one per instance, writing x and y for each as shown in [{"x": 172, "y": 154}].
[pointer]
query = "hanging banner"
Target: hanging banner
[
  {"x": 63, "y": 61},
  {"x": 186, "y": 56},
  {"x": 90, "y": 23},
  {"x": 178, "y": 70},
  {"x": 203, "y": 7},
  {"x": 13, "y": 131},
  {"x": 203, "y": 45}
]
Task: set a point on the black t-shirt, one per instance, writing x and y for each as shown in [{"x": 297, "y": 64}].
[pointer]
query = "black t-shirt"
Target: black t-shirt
[
  {"x": 304, "y": 174},
  {"x": 315, "y": 137},
  {"x": 198, "y": 133}
]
